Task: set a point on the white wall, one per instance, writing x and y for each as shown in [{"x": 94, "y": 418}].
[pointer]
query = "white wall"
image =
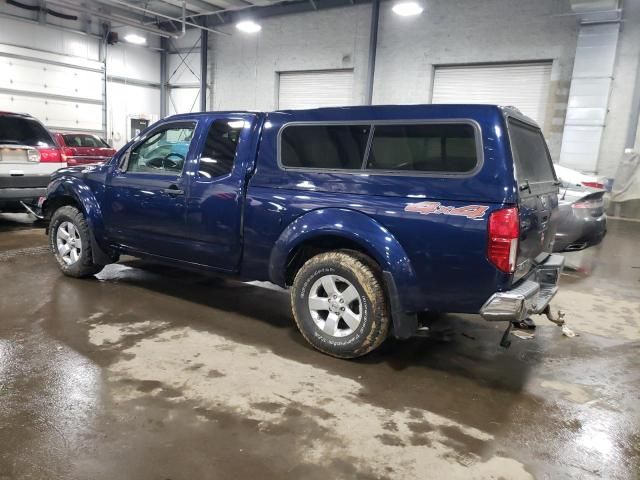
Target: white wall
[
  {"x": 183, "y": 78},
  {"x": 620, "y": 99},
  {"x": 468, "y": 31},
  {"x": 243, "y": 68},
  {"x": 32, "y": 35},
  {"x": 448, "y": 32},
  {"x": 127, "y": 101},
  {"x": 135, "y": 63},
  {"x": 133, "y": 89}
]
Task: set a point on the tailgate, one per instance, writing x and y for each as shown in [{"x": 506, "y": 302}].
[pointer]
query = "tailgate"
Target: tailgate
[
  {"x": 23, "y": 160},
  {"x": 538, "y": 194},
  {"x": 17, "y": 154}
]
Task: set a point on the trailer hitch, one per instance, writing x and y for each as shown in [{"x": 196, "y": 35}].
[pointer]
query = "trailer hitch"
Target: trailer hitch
[
  {"x": 557, "y": 317},
  {"x": 31, "y": 211}
]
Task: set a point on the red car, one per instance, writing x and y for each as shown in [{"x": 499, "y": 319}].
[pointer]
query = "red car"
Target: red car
[{"x": 83, "y": 148}]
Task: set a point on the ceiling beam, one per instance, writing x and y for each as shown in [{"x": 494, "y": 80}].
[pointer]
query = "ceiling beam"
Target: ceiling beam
[
  {"x": 160, "y": 14},
  {"x": 197, "y": 6},
  {"x": 222, "y": 17}
]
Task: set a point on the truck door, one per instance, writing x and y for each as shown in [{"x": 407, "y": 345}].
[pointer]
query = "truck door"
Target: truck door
[
  {"x": 214, "y": 205},
  {"x": 145, "y": 194}
]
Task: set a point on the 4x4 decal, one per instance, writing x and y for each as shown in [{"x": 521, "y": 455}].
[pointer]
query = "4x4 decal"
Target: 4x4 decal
[{"x": 474, "y": 212}]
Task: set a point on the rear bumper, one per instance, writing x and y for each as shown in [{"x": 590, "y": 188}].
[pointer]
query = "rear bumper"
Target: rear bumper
[
  {"x": 23, "y": 187},
  {"x": 530, "y": 296},
  {"x": 580, "y": 234},
  {"x": 21, "y": 194}
]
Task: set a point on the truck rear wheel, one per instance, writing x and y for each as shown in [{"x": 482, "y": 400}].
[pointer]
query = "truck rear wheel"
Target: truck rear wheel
[
  {"x": 70, "y": 242},
  {"x": 339, "y": 304}
]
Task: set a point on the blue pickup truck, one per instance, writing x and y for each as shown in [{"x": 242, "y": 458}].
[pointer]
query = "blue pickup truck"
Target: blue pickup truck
[{"x": 370, "y": 215}]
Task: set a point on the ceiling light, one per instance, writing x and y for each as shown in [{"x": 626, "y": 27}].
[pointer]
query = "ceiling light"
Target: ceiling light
[
  {"x": 135, "y": 39},
  {"x": 407, "y": 9},
  {"x": 248, "y": 26}
]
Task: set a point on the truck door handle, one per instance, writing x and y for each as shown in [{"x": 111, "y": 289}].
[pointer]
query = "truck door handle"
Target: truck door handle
[{"x": 173, "y": 190}]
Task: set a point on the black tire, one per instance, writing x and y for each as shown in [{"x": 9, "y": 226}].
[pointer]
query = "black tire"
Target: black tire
[
  {"x": 84, "y": 266},
  {"x": 375, "y": 320}
]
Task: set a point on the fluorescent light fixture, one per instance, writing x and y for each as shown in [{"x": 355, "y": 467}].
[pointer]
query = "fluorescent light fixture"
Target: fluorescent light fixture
[
  {"x": 407, "y": 9},
  {"x": 248, "y": 26},
  {"x": 135, "y": 39}
]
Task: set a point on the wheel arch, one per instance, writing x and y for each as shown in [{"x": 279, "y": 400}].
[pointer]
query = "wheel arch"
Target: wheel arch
[
  {"x": 343, "y": 229},
  {"x": 72, "y": 191}
]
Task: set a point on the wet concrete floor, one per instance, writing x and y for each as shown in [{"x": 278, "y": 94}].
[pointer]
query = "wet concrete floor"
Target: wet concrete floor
[{"x": 147, "y": 372}]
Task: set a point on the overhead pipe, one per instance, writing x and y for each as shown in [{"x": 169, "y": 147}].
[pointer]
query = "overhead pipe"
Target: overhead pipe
[
  {"x": 113, "y": 18},
  {"x": 220, "y": 11},
  {"x": 183, "y": 32},
  {"x": 162, "y": 15}
]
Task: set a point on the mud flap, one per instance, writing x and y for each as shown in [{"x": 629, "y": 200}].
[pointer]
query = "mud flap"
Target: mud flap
[
  {"x": 100, "y": 256},
  {"x": 404, "y": 324},
  {"x": 505, "y": 342}
]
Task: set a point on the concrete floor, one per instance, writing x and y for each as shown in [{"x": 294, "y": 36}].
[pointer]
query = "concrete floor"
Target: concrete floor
[{"x": 158, "y": 374}]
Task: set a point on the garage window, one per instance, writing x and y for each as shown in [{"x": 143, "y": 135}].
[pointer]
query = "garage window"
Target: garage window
[
  {"x": 324, "y": 146},
  {"x": 449, "y": 148}
]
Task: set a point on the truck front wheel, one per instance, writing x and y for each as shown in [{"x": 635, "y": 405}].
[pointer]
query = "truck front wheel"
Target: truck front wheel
[
  {"x": 70, "y": 242},
  {"x": 339, "y": 304}
]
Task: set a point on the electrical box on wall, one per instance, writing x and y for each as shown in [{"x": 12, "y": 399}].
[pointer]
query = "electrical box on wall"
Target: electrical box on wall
[{"x": 137, "y": 123}]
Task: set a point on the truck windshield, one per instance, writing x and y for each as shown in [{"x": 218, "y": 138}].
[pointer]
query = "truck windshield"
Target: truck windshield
[{"x": 531, "y": 156}]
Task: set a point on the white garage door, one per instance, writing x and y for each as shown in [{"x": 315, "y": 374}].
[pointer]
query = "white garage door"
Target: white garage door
[
  {"x": 329, "y": 88},
  {"x": 62, "y": 93},
  {"x": 524, "y": 85}
]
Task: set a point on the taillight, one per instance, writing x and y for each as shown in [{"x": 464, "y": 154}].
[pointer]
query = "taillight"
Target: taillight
[
  {"x": 50, "y": 155},
  {"x": 593, "y": 184},
  {"x": 504, "y": 230},
  {"x": 67, "y": 154}
]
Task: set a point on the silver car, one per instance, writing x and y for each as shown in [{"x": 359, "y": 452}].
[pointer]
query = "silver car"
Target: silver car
[
  {"x": 28, "y": 156},
  {"x": 582, "y": 220}
]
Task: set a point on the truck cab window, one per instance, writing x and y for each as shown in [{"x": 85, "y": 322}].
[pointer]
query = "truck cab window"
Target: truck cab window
[
  {"x": 163, "y": 153},
  {"x": 220, "y": 148}
]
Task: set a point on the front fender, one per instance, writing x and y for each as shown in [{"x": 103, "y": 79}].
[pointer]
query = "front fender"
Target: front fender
[
  {"x": 357, "y": 227},
  {"x": 77, "y": 189}
]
